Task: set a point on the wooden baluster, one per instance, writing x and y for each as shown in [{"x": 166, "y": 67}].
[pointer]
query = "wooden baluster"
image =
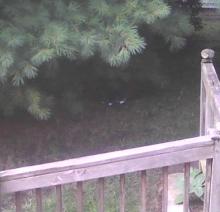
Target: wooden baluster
[
  {"x": 165, "y": 189},
  {"x": 207, "y": 123},
  {"x": 143, "y": 191},
  {"x": 101, "y": 195},
  {"x": 39, "y": 206},
  {"x": 59, "y": 205},
  {"x": 215, "y": 180},
  {"x": 186, "y": 187},
  {"x": 18, "y": 202},
  {"x": 207, "y": 113},
  {"x": 202, "y": 107},
  {"x": 79, "y": 196},
  {"x": 212, "y": 112},
  {"x": 122, "y": 193},
  {"x": 207, "y": 185}
]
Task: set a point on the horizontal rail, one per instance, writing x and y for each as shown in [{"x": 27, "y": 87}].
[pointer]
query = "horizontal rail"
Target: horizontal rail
[{"x": 107, "y": 164}]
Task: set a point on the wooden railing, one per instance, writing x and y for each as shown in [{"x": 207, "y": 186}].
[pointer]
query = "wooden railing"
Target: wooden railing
[
  {"x": 105, "y": 165},
  {"x": 206, "y": 147},
  {"x": 209, "y": 93}
]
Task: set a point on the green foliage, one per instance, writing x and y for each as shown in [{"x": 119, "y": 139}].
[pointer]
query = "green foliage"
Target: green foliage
[
  {"x": 34, "y": 33},
  {"x": 197, "y": 181},
  {"x": 35, "y": 106},
  {"x": 175, "y": 36}
]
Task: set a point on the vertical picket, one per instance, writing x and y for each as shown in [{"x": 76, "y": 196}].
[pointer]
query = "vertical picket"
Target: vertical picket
[
  {"x": 143, "y": 191},
  {"x": 165, "y": 190},
  {"x": 101, "y": 195},
  {"x": 59, "y": 205},
  {"x": 79, "y": 196},
  {"x": 18, "y": 202},
  {"x": 122, "y": 193},
  {"x": 186, "y": 187},
  {"x": 39, "y": 207}
]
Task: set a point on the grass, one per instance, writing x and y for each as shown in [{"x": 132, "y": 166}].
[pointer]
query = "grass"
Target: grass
[
  {"x": 158, "y": 118},
  {"x": 157, "y": 115}
]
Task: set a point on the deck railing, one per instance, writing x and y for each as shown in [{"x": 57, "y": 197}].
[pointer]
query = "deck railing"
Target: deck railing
[
  {"x": 109, "y": 164},
  {"x": 206, "y": 147}
]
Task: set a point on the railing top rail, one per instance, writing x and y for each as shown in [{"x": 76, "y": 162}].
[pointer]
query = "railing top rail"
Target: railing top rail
[
  {"x": 105, "y": 158},
  {"x": 107, "y": 164}
]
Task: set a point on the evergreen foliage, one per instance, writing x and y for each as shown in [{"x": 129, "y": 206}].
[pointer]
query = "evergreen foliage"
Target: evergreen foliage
[{"x": 34, "y": 33}]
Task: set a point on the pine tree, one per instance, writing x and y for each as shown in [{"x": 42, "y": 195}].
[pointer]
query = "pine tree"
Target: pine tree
[{"x": 34, "y": 33}]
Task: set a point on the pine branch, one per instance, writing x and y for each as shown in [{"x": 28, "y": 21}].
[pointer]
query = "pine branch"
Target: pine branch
[
  {"x": 34, "y": 100},
  {"x": 42, "y": 56}
]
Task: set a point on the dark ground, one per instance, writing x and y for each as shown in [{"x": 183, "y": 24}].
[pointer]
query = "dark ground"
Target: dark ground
[{"x": 158, "y": 114}]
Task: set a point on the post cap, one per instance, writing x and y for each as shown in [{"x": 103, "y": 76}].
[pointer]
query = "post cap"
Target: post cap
[{"x": 207, "y": 55}]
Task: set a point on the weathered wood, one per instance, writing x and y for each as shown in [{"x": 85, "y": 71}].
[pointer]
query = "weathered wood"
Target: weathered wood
[
  {"x": 122, "y": 193},
  {"x": 209, "y": 95},
  {"x": 0, "y": 198},
  {"x": 215, "y": 181},
  {"x": 105, "y": 158},
  {"x": 207, "y": 185},
  {"x": 207, "y": 55},
  {"x": 211, "y": 84},
  {"x": 75, "y": 169},
  {"x": 18, "y": 202},
  {"x": 101, "y": 202},
  {"x": 165, "y": 189},
  {"x": 110, "y": 169},
  {"x": 212, "y": 110},
  {"x": 202, "y": 108},
  {"x": 186, "y": 187},
  {"x": 212, "y": 88},
  {"x": 59, "y": 205},
  {"x": 79, "y": 196},
  {"x": 143, "y": 204},
  {"x": 205, "y": 88},
  {"x": 39, "y": 205},
  {"x": 208, "y": 114}
]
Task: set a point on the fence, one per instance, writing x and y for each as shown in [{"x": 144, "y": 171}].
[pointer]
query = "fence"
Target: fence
[{"x": 99, "y": 167}]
